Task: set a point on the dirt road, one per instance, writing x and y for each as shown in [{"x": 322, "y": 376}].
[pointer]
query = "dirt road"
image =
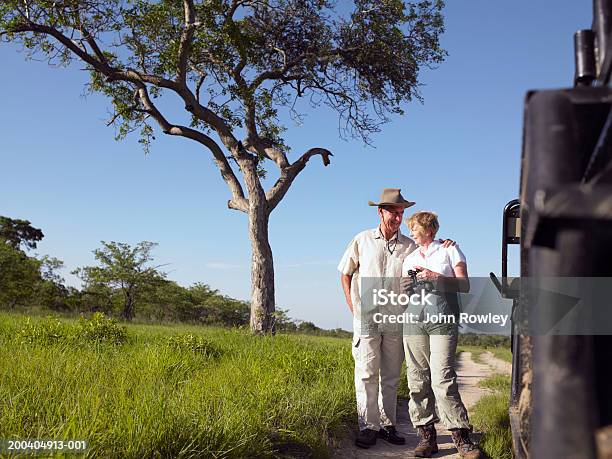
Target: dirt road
[{"x": 469, "y": 373}]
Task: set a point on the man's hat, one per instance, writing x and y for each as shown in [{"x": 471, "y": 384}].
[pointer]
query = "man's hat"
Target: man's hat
[{"x": 392, "y": 197}]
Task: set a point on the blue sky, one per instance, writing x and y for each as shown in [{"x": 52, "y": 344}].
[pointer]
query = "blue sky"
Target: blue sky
[{"x": 457, "y": 154}]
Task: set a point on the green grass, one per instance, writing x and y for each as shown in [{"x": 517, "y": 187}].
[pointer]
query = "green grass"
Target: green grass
[
  {"x": 501, "y": 353},
  {"x": 173, "y": 390},
  {"x": 497, "y": 383},
  {"x": 490, "y": 415}
]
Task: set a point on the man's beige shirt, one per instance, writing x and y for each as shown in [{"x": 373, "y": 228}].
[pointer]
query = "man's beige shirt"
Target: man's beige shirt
[{"x": 370, "y": 255}]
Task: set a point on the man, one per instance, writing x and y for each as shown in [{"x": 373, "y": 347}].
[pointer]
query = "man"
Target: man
[{"x": 376, "y": 254}]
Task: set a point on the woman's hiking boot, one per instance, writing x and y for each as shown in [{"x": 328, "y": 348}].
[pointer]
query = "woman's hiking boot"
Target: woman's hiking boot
[
  {"x": 465, "y": 447},
  {"x": 428, "y": 443}
]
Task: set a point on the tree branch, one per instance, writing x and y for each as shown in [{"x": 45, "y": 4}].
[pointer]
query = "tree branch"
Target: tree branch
[
  {"x": 279, "y": 73},
  {"x": 121, "y": 113},
  {"x": 257, "y": 145},
  {"x": 89, "y": 38},
  {"x": 94, "y": 46},
  {"x": 191, "y": 105},
  {"x": 288, "y": 175},
  {"x": 113, "y": 74},
  {"x": 27, "y": 9},
  {"x": 185, "y": 43},
  {"x": 199, "y": 86},
  {"x": 64, "y": 40},
  {"x": 238, "y": 201}
]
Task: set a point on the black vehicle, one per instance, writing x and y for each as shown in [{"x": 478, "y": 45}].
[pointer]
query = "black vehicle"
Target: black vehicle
[{"x": 561, "y": 398}]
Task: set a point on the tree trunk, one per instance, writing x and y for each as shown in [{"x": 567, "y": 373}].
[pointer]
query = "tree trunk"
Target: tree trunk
[
  {"x": 262, "y": 273},
  {"x": 128, "y": 306},
  {"x": 262, "y": 264}
]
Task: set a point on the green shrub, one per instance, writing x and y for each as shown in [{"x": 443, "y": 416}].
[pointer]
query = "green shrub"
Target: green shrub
[
  {"x": 196, "y": 344},
  {"x": 101, "y": 329},
  {"x": 51, "y": 331}
]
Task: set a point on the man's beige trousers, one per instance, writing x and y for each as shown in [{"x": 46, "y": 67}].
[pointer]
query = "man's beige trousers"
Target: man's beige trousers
[
  {"x": 430, "y": 359},
  {"x": 378, "y": 364}
]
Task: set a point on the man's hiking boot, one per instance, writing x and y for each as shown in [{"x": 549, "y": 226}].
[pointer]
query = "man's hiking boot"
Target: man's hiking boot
[
  {"x": 389, "y": 433},
  {"x": 428, "y": 443},
  {"x": 366, "y": 438},
  {"x": 465, "y": 447}
]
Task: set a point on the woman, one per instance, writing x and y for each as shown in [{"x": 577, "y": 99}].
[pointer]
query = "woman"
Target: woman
[{"x": 431, "y": 343}]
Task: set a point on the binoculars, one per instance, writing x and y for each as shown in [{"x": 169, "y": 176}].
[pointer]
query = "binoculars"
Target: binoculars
[{"x": 412, "y": 274}]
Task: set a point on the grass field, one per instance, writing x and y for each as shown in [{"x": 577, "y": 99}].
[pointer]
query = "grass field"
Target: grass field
[
  {"x": 187, "y": 391},
  {"x": 171, "y": 391}
]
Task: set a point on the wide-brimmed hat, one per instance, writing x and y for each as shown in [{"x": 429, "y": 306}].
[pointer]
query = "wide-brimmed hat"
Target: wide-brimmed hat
[{"x": 392, "y": 197}]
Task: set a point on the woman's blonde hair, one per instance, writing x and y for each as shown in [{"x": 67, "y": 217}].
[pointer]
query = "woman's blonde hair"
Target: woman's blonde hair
[{"x": 427, "y": 221}]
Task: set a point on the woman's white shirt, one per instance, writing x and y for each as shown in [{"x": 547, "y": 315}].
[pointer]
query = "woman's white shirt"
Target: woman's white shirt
[{"x": 436, "y": 258}]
